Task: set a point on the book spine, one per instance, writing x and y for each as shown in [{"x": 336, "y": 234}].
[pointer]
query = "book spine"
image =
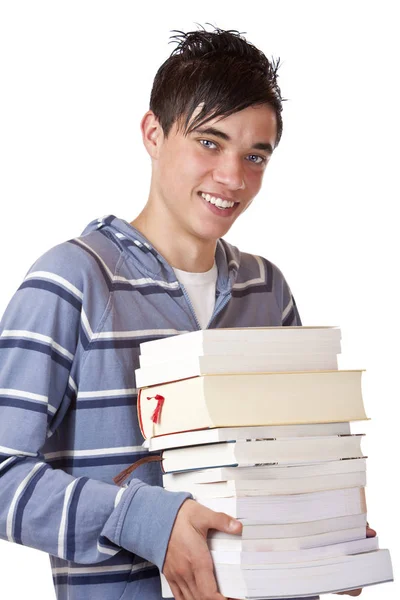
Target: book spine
[{"x": 139, "y": 413}]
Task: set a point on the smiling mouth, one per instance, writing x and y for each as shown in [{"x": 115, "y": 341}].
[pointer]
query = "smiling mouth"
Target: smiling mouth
[{"x": 220, "y": 203}]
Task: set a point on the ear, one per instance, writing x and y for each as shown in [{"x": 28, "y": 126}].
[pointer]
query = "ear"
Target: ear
[{"x": 152, "y": 134}]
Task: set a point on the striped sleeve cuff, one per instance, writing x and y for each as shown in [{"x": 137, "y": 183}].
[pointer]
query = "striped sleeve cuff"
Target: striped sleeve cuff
[{"x": 146, "y": 518}]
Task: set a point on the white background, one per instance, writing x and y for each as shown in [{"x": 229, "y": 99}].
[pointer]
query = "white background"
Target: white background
[{"x": 75, "y": 81}]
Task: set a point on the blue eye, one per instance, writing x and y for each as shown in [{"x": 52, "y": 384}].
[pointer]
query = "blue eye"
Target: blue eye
[
  {"x": 259, "y": 159},
  {"x": 207, "y": 143}
]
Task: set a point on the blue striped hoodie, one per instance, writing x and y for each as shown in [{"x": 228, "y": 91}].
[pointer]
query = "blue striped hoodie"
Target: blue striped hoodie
[{"x": 69, "y": 345}]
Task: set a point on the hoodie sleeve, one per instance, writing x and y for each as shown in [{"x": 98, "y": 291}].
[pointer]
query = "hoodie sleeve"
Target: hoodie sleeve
[
  {"x": 290, "y": 314},
  {"x": 77, "y": 519},
  {"x": 285, "y": 299}
]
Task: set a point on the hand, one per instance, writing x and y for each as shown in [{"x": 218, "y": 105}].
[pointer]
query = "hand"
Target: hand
[
  {"x": 188, "y": 565},
  {"x": 370, "y": 533}
]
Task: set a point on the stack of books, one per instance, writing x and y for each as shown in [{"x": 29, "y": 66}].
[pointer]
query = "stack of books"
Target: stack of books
[{"x": 255, "y": 422}]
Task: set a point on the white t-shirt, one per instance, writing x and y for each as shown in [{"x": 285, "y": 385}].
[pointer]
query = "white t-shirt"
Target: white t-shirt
[{"x": 201, "y": 290}]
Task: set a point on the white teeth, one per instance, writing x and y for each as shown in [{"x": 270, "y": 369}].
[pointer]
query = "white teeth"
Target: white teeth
[{"x": 217, "y": 201}]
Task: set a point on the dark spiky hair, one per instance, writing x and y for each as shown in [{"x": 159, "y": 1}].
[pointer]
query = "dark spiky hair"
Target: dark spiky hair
[{"x": 218, "y": 70}]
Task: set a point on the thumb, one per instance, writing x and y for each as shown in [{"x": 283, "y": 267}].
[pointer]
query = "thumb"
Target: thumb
[{"x": 225, "y": 523}]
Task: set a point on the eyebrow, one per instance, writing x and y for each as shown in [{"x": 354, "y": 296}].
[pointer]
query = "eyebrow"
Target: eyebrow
[{"x": 266, "y": 146}]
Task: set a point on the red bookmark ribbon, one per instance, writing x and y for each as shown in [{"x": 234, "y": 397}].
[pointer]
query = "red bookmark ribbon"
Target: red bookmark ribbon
[{"x": 155, "y": 417}]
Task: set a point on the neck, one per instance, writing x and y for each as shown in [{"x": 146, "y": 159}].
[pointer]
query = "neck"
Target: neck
[{"x": 180, "y": 248}]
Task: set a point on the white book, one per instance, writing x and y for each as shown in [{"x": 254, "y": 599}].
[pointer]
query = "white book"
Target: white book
[
  {"x": 223, "y": 340},
  {"x": 228, "y": 434},
  {"x": 194, "y": 366},
  {"x": 262, "y": 558},
  {"x": 266, "y": 472},
  {"x": 262, "y": 531},
  {"x": 238, "y": 544},
  {"x": 270, "y": 487},
  {"x": 281, "y": 451},
  {"x": 301, "y": 579},
  {"x": 236, "y": 351},
  {"x": 291, "y": 509}
]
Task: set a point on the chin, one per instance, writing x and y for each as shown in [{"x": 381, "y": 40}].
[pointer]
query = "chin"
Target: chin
[{"x": 211, "y": 234}]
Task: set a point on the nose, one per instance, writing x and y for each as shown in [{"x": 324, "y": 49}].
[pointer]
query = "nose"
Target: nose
[{"x": 229, "y": 173}]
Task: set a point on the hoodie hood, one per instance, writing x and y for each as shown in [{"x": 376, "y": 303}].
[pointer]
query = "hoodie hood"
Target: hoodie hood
[{"x": 138, "y": 248}]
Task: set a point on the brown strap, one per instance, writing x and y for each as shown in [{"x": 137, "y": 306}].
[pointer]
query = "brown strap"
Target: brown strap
[{"x": 123, "y": 476}]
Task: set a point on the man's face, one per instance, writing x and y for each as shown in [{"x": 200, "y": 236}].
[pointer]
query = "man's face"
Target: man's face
[{"x": 206, "y": 179}]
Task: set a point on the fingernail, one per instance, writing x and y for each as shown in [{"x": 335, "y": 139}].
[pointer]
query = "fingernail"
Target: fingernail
[{"x": 233, "y": 525}]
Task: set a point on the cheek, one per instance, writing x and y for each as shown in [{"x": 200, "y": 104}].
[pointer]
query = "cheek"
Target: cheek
[
  {"x": 185, "y": 166},
  {"x": 179, "y": 175},
  {"x": 254, "y": 181},
  {"x": 198, "y": 164}
]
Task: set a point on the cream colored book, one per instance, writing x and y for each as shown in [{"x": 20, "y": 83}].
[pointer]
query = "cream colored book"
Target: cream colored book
[{"x": 248, "y": 400}]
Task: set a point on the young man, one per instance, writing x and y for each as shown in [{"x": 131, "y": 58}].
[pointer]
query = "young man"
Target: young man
[{"x": 70, "y": 337}]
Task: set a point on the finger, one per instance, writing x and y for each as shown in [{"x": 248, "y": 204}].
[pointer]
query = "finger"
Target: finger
[
  {"x": 176, "y": 591},
  {"x": 370, "y": 532},
  {"x": 222, "y": 522},
  {"x": 207, "y": 584},
  {"x": 350, "y": 593},
  {"x": 188, "y": 589}
]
